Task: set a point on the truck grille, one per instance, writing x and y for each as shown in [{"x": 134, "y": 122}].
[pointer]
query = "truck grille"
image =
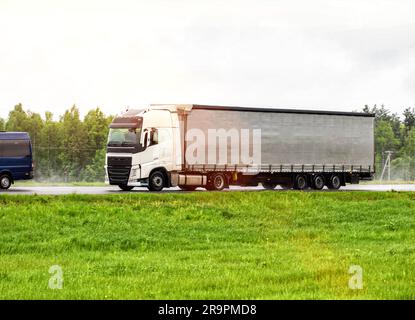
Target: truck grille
[{"x": 119, "y": 169}]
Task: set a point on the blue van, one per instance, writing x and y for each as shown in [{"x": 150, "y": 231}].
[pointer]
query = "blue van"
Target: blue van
[{"x": 15, "y": 158}]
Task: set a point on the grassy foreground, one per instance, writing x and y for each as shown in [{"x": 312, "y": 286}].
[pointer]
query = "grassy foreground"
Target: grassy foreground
[{"x": 204, "y": 245}]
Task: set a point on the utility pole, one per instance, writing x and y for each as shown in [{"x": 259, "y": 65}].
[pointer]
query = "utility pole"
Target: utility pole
[{"x": 387, "y": 165}]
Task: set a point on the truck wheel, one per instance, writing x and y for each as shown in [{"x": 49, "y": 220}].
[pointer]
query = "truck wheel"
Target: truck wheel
[
  {"x": 124, "y": 187},
  {"x": 217, "y": 182},
  {"x": 334, "y": 182},
  {"x": 300, "y": 182},
  {"x": 5, "y": 181},
  {"x": 188, "y": 188},
  {"x": 318, "y": 182},
  {"x": 269, "y": 185},
  {"x": 157, "y": 181}
]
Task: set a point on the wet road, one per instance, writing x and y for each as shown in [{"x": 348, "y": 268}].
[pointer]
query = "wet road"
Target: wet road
[{"x": 51, "y": 190}]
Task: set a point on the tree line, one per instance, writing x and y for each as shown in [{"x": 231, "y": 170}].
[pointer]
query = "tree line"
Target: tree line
[
  {"x": 397, "y": 135},
  {"x": 73, "y": 149},
  {"x": 68, "y": 149}
]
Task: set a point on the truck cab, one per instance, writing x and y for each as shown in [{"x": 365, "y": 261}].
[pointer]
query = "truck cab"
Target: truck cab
[
  {"x": 141, "y": 144},
  {"x": 15, "y": 158}
]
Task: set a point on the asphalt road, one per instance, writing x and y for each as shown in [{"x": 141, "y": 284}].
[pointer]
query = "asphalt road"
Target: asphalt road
[{"x": 115, "y": 190}]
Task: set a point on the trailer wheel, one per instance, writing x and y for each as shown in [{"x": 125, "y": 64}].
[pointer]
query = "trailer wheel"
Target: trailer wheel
[
  {"x": 334, "y": 182},
  {"x": 188, "y": 188},
  {"x": 300, "y": 182},
  {"x": 318, "y": 182},
  {"x": 217, "y": 182},
  {"x": 5, "y": 181},
  {"x": 157, "y": 181},
  {"x": 269, "y": 185},
  {"x": 124, "y": 187}
]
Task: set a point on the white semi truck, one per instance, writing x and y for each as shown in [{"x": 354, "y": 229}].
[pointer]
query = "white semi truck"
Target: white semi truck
[{"x": 214, "y": 147}]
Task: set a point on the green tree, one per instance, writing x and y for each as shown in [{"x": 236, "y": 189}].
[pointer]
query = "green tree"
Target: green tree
[
  {"x": 95, "y": 171},
  {"x": 96, "y": 125},
  {"x": 50, "y": 164},
  {"x": 385, "y": 140},
  {"x": 383, "y": 115},
  {"x": 34, "y": 126},
  {"x": 2, "y": 124},
  {"x": 17, "y": 119},
  {"x": 409, "y": 148},
  {"x": 401, "y": 168},
  {"x": 75, "y": 142},
  {"x": 409, "y": 119},
  {"x": 409, "y": 152},
  {"x": 20, "y": 120}
]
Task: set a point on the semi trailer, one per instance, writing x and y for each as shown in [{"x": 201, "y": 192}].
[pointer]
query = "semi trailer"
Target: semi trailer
[{"x": 214, "y": 147}]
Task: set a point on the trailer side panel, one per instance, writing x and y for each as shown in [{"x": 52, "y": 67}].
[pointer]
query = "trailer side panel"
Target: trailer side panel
[{"x": 289, "y": 138}]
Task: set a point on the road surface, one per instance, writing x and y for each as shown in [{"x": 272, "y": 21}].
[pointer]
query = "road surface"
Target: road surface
[{"x": 50, "y": 190}]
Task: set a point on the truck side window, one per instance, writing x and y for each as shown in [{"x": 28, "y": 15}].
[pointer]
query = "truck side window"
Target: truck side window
[
  {"x": 145, "y": 139},
  {"x": 154, "y": 136}
]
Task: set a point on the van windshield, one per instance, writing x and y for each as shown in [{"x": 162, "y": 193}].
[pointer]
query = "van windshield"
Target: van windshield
[{"x": 124, "y": 137}]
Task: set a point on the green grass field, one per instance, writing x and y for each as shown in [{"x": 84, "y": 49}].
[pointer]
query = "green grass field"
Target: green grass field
[{"x": 206, "y": 245}]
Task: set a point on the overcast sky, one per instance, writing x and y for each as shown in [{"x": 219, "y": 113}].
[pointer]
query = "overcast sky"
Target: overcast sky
[{"x": 320, "y": 54}]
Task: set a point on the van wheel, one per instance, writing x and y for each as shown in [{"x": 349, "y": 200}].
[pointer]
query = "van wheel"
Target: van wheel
[
  {"x": 334, "y": 182},
  {"x": 5, "y": 181},
  {"x": 300, "y": 182},
  {"x": 217, "y": 182},
  {"x": 269, "y": 185},
  {"x": 157, "y": 181}
]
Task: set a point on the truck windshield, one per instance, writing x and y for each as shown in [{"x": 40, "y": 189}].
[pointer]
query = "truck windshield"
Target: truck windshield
[{"x": 124, "y": 137}]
